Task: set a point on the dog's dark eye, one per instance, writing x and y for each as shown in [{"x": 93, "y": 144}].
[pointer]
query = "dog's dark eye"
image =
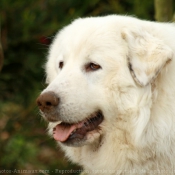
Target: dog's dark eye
[
  {"x": 92, "y": 67},
  {"x": 61, "y": 64}
]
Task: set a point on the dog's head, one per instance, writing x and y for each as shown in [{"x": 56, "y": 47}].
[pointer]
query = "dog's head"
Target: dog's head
[{"x": 98, "y": 71}]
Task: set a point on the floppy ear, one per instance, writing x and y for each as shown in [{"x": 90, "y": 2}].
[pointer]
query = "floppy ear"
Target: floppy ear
[{"x": 147, "y": 55}]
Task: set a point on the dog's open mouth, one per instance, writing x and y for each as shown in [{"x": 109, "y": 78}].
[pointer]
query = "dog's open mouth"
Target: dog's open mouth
[{"x": 67, "y": 133}]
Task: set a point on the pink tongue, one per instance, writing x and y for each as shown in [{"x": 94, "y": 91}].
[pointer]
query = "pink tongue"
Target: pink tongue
[{"x": 62, "y": 132}]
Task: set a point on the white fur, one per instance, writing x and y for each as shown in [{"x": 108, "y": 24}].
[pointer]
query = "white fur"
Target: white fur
[{"x": 135, "y": 89}]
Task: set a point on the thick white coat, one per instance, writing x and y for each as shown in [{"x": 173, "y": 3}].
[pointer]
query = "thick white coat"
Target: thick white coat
[{"x": 135, "y": 89}]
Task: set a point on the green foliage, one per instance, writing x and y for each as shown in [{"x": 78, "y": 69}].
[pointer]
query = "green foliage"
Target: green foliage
[
  {"x": 20, "y": 151},
  {"x": 27, "y": 28}
]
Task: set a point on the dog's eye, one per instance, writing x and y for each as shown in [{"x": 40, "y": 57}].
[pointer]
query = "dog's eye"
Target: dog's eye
[
  {"x": 61, "y": 64},
  {"x": 92, "y": 67}
]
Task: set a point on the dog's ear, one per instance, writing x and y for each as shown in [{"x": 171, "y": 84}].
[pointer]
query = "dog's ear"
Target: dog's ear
[{"x": 147, "y": 55}]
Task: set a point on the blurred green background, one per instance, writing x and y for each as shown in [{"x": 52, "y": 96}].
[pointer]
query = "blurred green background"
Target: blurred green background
[{"x": 27, "y": 28}]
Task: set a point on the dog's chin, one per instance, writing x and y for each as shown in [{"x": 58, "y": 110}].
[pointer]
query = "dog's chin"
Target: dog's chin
[{"x": 78, "y": 134}]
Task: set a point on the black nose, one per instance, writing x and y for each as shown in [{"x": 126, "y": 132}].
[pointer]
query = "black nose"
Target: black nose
[{"x": 47, "y": 101}]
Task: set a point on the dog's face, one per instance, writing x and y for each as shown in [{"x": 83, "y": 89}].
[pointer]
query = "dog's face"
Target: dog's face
[{"x": 96, "y": 73}]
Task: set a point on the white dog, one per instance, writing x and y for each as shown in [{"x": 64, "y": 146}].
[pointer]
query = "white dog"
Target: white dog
[{"x": 110, "y": 100}]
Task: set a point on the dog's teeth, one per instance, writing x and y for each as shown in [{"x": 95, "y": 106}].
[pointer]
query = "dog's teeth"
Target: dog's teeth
[
  {"x": 73, "y": 131},
  {"x": 59, "y": 122}
]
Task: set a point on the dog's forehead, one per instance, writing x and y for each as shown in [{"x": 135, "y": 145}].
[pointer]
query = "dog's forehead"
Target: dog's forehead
[
  {"x": 91, "y": 32},
  {"x": 84, "y": 37},
  {"x": 87, "y": 36}
]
